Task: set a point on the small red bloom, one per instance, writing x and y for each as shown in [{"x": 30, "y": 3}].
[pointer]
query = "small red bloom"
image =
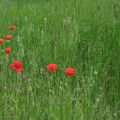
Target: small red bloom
[
  {"x": 1, "y": 41},
  {"x": 70, "y": 71},
  {"x": 52, "y": 67},
  {"x": 17, "y": 65},
  {"x": 9, "y": 37},
  {"x": 12, "y": 27},
  {"x": 8, "y": 50}
]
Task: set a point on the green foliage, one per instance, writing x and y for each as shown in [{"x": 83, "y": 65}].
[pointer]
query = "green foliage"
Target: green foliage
[{"x": 84, "y": 34}]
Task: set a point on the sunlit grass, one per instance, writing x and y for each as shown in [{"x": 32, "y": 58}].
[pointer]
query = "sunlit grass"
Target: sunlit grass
[{"x": 83, "y": 34}]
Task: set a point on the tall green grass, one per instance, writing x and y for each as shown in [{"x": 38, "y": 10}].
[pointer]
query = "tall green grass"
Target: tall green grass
[{"x": 84, "y": 34}]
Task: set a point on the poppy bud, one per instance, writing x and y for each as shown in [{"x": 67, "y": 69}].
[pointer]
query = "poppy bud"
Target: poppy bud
[
  {"x": 11, "y": 27},
  {"x": 8, "y": 50},
  {"x": 9, "y": 37},
  {"x": 52, "y": 67},
  {"x": 1, "y": 41},
  {"x": 70, "y": 71}
]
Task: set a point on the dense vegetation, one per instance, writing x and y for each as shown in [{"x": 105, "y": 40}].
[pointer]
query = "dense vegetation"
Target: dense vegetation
[{"x": 83, "y": 34}]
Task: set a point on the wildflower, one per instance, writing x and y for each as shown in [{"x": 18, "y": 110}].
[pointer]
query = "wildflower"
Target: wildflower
[
  {"x": 9, "y": 37},
  {"x": 12, "y": 27},
  {"x": 52, "y": 67},
  {"x": 17, "y": 66},
  {"x": 8, "y": 50},
  {"x": 70, "y": 71},
  {"x": 1, "y": 41}
]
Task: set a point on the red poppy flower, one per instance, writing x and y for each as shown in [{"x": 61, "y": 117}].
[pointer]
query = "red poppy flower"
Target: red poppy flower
[
  {"x": 17, "y": 65},
  {"x": 8, "y": 50},
  {"x": 52, "y": 67},
  {"x": 12, "y": 27},
  {"x": 70, "y": 71},
  {"x": 9, "y": 37},
  {"x": 1, "y": 41}
]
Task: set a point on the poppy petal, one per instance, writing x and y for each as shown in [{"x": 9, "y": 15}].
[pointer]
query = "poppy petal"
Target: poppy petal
[
  {"x": 19, "y": 69},
  {"x": 12, "y": 66}
]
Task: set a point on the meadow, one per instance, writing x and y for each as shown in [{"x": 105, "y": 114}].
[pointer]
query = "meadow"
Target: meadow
[{"x": 82, "y": 34}]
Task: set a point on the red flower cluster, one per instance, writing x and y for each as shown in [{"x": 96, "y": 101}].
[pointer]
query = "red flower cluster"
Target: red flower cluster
[
  {"x": 17, "y": 66},
  {"x": 53, "y": 67}
]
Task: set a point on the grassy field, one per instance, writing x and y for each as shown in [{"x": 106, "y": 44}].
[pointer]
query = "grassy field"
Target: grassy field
[{"x": 83, "y": 34}]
